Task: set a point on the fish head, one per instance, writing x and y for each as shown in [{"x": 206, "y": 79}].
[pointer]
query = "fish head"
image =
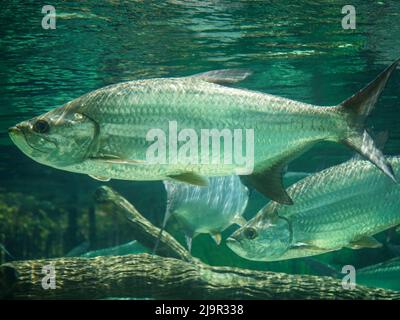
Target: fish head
[
  {"x": 264, "y": 238},
  {"x": 58, "y": 138}
]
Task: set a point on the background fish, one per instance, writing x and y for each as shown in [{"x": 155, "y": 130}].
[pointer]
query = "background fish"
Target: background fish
[
  {"x": 103, "y": 133},
  {"x": 342, "y": 206},
  {"x": 381, "y": 275},
  {"x": 3, "y": 249},
  {"x": 132, "y": 247},
  {"x": 208, "y": 209}
]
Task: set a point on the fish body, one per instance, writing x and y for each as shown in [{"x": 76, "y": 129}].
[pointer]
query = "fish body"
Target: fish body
[
  {"x": 382, "y": 275},
  {"x": 105, "y": 133},
  {"x": 132, "y": 247},
  {"x": 209, "y": 209},
  {"x": 342, "y": 206}
]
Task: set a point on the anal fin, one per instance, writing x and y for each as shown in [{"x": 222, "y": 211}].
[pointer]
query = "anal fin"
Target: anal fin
[
  {"x": 269, "y": 182},
  {"x": 366, "y": 242}
]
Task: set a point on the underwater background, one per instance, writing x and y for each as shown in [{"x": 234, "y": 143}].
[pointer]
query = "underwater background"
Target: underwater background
[{"x": 296, "y": 50}]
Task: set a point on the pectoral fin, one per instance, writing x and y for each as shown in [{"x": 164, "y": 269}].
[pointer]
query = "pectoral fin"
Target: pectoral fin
[
  {"x": 191, "y": 178},
  {"x": 116, "y": 160},
  {"x": 366, "y": 242},
  {"x": 309, "y": 246},
  {"x": 269, "y": 182},
  {"x": 223, "y": 76},
  {"x": 216, "y": 237},
  {"x": 100, "y": 178}
]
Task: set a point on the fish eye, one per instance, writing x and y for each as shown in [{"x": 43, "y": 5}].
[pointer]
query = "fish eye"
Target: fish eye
[
  {"x": 41, "y": 126},
  {"x": 78, "y": 116},
  {"x": 250, "y": 233}
]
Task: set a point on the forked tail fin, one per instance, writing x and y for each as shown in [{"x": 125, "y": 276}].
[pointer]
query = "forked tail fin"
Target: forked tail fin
[{"x": 357, "y": 108}]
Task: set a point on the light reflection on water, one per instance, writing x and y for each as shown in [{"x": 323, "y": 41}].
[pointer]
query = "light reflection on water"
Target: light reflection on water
[{"x": 296, "y": 50}]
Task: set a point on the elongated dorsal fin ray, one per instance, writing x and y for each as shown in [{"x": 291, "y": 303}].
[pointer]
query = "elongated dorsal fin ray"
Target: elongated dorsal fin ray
[
  {"x": 224, "y": 76},
  {"x": 167, "y": 215},
  {"x": 189, "y": 239},
  {"x": 269, "y": 183}
]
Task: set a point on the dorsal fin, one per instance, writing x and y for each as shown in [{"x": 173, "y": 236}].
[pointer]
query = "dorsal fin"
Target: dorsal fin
[{"x": 223, "y": 76}]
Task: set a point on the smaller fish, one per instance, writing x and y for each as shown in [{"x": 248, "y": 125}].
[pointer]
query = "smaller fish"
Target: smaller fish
[
  {"x": 79, "y": 249},
  {"x": 383, "y": 275},
  {"x": 343, "y": 206},
  {"x": 391, "y": 242},
  {"x": 132, "y": 247},
  {"x": 3, "y": 248},
  {"x": 209, "y": 209}
]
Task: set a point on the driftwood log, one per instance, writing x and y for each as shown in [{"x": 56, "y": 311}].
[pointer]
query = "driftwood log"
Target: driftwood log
[{"x": 171, "y": 274}]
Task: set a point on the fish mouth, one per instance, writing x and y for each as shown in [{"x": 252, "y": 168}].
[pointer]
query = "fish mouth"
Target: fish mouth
[
  {"x": 232, "y": 243},
  {"x": 19, "y": 138},
  {"x": 15, "y": 134},
  {"x": 14, "y": 131}
]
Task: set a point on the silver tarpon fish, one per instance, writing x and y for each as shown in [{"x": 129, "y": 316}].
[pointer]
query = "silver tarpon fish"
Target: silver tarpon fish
[
  {"x": 209, "y": 209},
  {"x": 131, "y": 247},
  {"x": 342, "y": 206},
  {"x": 103, "y": 133},
  {"x": 381, "y": 275}
]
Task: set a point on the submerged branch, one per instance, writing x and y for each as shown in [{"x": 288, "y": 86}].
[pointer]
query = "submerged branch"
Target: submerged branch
[
  {"x": 143, "y": 230},
  {"x": 173, "y": 274},
  {"x": 147, "y": 276}
]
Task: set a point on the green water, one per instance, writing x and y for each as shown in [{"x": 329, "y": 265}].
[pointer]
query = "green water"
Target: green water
[{"x": 298, "y": 51}]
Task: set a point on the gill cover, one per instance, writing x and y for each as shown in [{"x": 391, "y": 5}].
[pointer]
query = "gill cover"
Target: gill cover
[{"x": 60, "y": 137}]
